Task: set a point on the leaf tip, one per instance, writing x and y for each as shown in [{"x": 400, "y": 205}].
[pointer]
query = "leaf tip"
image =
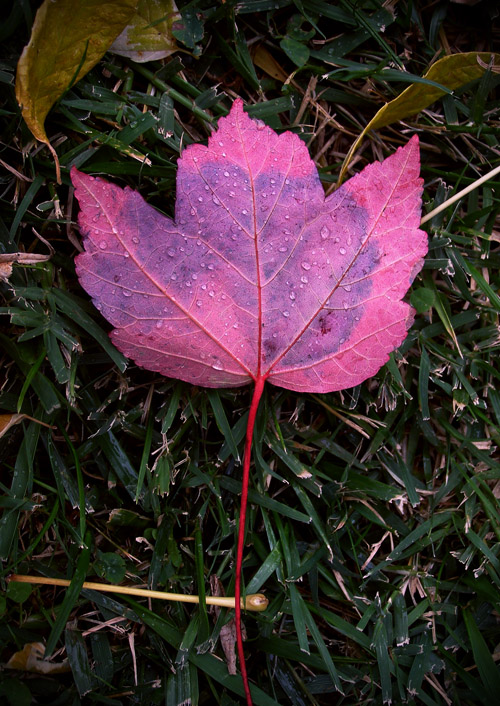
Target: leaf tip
[
  {"x": 238, "y": 106},
  {"x": 412, "y": 147}
]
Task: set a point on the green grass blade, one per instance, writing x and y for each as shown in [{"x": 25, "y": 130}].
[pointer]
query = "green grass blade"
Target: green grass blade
[{"x": 71, "y": 596}]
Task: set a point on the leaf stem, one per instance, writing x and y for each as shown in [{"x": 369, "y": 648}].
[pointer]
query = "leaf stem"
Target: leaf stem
[{"x": 257, "y": 394}]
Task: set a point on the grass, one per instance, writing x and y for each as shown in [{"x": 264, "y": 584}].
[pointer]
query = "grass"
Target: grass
[{"x": 382, "y": 566}]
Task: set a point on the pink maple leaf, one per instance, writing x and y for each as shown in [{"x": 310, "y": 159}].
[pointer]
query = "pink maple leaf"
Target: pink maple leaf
[{"x": 259, "y": 276}]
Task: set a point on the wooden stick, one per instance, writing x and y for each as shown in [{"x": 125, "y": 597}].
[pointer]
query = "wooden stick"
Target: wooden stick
[{"x": 255, "y": 602}]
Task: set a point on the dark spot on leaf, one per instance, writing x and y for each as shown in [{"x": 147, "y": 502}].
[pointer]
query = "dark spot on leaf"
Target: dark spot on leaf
[{"x": 324, "y": 328}]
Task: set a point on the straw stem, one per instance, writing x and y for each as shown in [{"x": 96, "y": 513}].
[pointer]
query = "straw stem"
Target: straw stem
[{"x": 253, "y": 602}]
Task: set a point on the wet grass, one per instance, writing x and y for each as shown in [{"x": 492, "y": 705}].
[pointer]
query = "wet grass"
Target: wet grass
[{"x": 381, "y": 562}]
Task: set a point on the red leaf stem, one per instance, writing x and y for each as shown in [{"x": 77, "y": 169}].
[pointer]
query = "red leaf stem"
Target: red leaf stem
[{"x": 254, "y": 405}]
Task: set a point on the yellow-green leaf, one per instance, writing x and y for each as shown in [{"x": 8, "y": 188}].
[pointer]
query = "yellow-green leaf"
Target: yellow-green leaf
[
  {"x": 148, "y": 36},
  {"x": 451, "y": 72},
  {"x": 67, "y": 39}
]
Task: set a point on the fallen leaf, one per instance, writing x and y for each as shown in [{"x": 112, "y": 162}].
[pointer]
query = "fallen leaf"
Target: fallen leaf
[
  {"x": 266, "y": 61},
  {"x": 451, "y": 72},
  {"x": 67, "y": 40},
  {"x": 23, "y": 258},
  {"x": 9, "y": 420},
  {"x": 260, "y": 276},
  {"x": 30, "y": 659},
  {"x": 148, "y": 36}
]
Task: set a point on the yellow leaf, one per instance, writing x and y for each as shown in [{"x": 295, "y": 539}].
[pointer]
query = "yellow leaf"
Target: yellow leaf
[
  {"x": 30, "y": 659},
  {"x": 451, "y": 72},
  {"x": 265, "y": 61},
  {"x": 9, "y": 420},
  {"x": 67, "y": 39},
  {"x": 148, "y": 36}
]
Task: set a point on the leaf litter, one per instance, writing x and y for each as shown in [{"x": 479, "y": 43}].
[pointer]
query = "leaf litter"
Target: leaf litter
[
  {"x": 67, "y": 40},
  {"x": 259, "y": 277}
]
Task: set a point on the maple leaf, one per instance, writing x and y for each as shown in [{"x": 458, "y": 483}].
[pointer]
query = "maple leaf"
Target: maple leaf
[{"x": 259, "y": 276}]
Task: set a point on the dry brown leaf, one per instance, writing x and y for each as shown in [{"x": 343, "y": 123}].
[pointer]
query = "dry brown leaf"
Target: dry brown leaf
[
  {"x": 23, "y": 258},
  {"x": 228, "y": 631}
]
